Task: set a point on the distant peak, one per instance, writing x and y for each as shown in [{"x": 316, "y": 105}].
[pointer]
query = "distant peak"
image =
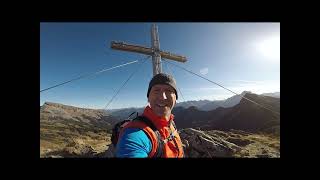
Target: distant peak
[
  {"x": 193, "y": 108},
  {"x": 245, "y": 92},
  {"x": 59, "y": 105},
  {"x": 50, "y": 104}
]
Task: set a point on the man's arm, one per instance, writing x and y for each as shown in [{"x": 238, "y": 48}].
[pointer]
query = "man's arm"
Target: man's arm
[{"x": 133, "y": 143}]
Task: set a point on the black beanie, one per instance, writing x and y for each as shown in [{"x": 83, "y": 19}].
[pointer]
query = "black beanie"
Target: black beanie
[{"x": 162, "y": 78}]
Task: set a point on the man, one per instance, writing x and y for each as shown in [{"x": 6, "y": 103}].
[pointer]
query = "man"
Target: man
[{"x": 140, "y": 140}]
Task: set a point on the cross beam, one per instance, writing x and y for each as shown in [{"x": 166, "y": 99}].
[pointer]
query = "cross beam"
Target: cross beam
[
  {"x": 154, "y": 51},
  {"x": 145, "y": 50}
]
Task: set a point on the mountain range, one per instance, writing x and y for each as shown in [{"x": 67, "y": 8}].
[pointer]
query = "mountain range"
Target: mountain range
[
  {"x": 67, "y": 131},
  {"x": 245, "y": 116},
  {"x": 203, "y": 105}
]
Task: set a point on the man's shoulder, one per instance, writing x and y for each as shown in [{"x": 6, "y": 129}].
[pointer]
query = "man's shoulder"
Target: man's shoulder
[
  {"x": 134, "y": 143},
  {"x": 133, "y": 130},
  {"x": 134, "y": 133}
]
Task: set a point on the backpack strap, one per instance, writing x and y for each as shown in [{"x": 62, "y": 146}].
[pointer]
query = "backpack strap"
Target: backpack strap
[
  {"x": 154, "y": 135},
  {"x": 160, "y": 143},
  {"x": 174, "y": 125}
]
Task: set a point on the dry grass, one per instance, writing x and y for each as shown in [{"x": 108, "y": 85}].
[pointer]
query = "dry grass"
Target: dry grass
[
  {"x": 252, "y": 145},
  {"x": 57, "y": 137}
]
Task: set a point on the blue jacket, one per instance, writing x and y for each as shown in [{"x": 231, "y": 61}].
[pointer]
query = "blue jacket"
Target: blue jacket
[{"x": 134, "y": 143}]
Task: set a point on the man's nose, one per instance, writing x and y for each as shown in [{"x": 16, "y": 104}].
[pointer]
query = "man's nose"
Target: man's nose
[{"x": 164, "y": 95}]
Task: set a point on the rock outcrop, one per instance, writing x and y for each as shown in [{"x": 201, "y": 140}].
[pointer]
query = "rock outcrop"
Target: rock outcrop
[{"x": 217, "y": 144}]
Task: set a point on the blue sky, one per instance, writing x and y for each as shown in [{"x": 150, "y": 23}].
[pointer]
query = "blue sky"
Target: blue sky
[{"x": 239, "y": 56}]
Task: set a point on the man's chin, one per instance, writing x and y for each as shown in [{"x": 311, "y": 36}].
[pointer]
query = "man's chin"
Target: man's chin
[{"x": 161, "y": 113}]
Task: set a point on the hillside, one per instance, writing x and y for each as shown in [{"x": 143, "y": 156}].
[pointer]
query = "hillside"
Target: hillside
[
  {"x": 63, "y": 127},
  {"x": 244, "y": 116}
]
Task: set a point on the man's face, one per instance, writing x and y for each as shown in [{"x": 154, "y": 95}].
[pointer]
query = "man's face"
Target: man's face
[{"x": 162, "y": 99}]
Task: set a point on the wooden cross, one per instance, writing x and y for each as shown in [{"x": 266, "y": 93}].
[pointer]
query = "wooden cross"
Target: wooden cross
[{"x": 154, "y": 51}]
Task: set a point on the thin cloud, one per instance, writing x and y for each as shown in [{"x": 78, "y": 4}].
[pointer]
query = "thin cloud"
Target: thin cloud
[{"x": 204, "y": 71}]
